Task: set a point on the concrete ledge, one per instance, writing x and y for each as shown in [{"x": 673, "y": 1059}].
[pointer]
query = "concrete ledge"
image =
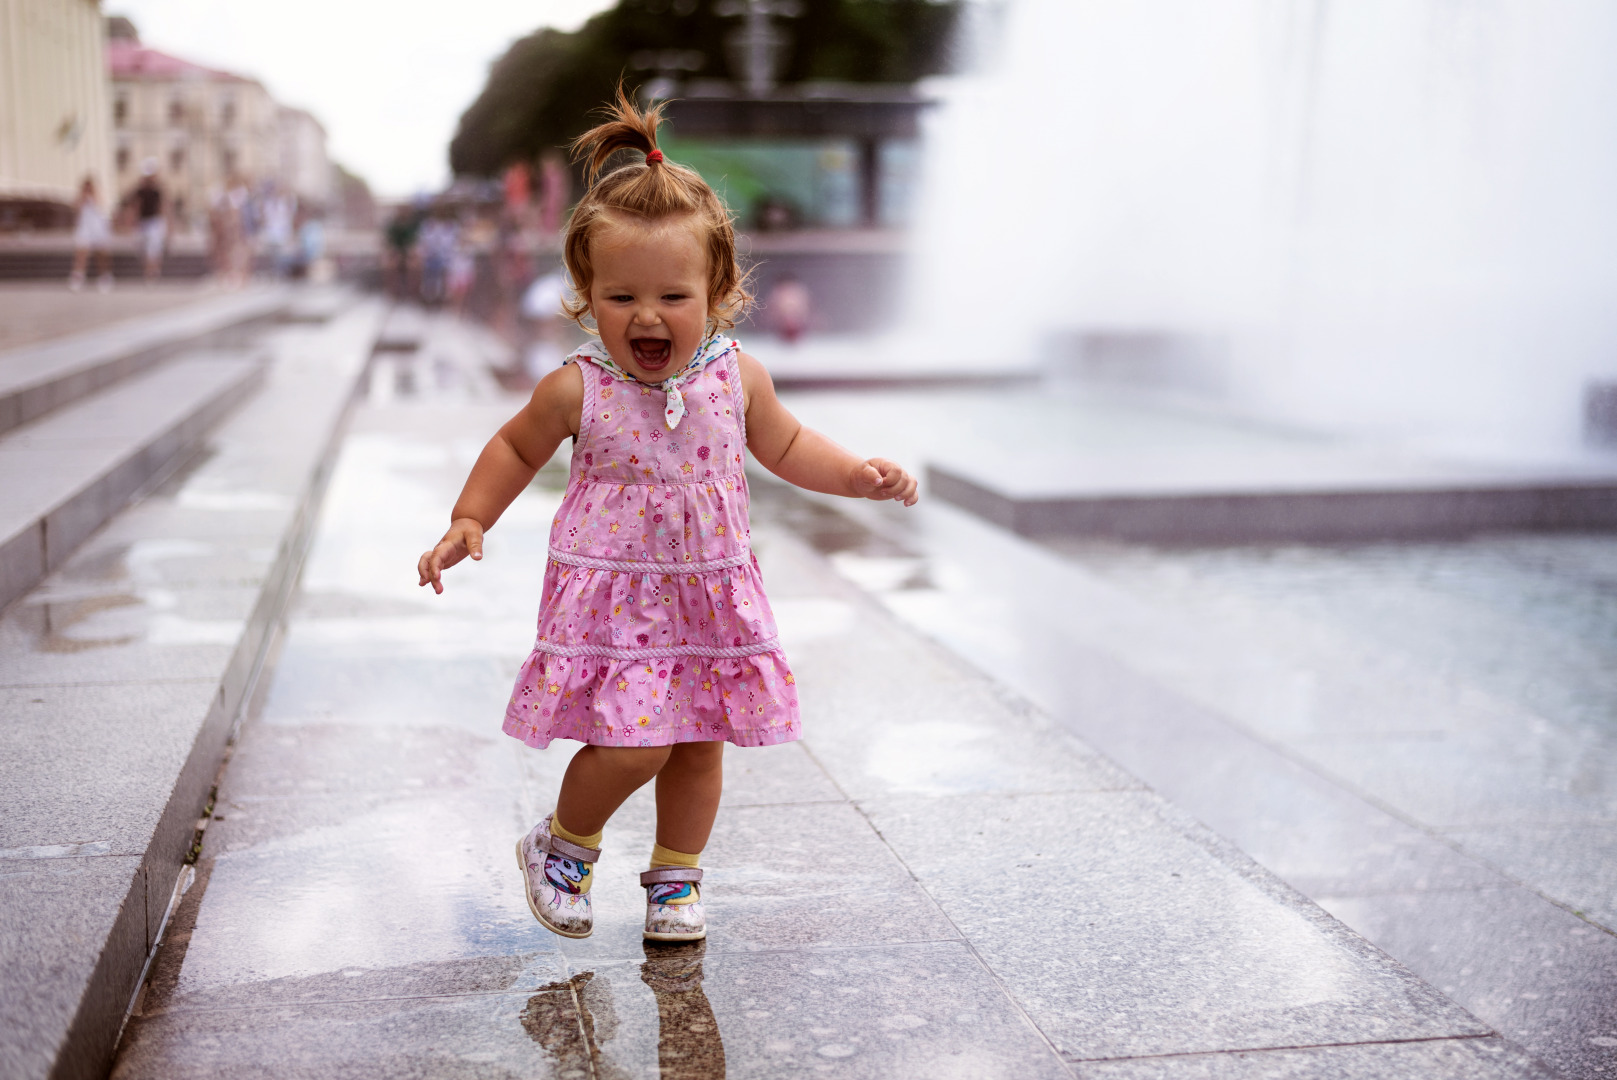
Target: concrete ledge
[
  {"x": 68, "y": 474},
  {"x": 36, "y": 379},
  {"x": 1391, "y": 513},
  {"x": 95, "y": 829}
]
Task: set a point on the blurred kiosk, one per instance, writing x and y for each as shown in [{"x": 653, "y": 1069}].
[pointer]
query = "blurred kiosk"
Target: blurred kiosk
[{"x": 866, "y": 113}]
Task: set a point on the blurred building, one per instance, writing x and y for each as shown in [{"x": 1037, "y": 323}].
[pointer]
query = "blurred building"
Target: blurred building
[
  {"x": 54, "y": 109},
  {"x": 202, "y": 126},
  {"x": 305, "y": 168}
]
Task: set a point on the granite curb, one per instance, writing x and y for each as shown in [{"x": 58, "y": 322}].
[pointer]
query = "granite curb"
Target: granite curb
[{"x": 83, "y": 918}]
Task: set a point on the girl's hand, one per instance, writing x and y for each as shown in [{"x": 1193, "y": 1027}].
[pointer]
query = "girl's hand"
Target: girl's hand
[
  {"x": 881, "y": 479},
  {"x": 465, "y": 537}
]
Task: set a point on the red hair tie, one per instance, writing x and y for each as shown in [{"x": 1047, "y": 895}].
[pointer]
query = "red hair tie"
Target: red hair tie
[{"x": 654, "y": 157}]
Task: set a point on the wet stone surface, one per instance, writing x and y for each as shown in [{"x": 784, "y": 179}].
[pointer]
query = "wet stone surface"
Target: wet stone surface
[
  {"x": 937, "y": 881},
  {"x": 1418, "y": 736}
]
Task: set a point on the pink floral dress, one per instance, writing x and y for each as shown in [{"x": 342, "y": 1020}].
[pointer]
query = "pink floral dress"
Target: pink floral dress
[{"x": 654, "y": 628}]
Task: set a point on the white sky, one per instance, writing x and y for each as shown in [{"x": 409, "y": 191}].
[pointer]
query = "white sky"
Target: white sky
[{"x": 387, "y": 79}]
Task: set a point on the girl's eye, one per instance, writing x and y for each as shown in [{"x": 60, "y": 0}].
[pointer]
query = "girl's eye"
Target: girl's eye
[{"x": 673, "y": 296}]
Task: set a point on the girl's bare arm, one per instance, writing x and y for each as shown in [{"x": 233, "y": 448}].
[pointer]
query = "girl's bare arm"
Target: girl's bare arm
[
  {"x": 506, "y": 466},
  {"x": 802, "y": 456}
]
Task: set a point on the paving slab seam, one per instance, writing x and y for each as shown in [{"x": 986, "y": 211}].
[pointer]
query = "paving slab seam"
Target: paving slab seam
[
  {"x": 1351, "y": 894},
  {"x": 1278, "y": 1049},
  {"x": 175, "y": 680},
  {"x": 715, "y": 948},
  {"x": 445, "y": 995},
  {"x": 947, "y": 796},
  {"x": 1600, "y": 821},
  {"x": 182, "y": 885}
]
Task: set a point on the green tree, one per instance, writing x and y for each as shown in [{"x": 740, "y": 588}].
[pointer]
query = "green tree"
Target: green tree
[{"x": 540, "y": 94}]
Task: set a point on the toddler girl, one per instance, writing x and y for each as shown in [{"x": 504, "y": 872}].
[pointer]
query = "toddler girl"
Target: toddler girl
[{"x": 656, "y": 643}]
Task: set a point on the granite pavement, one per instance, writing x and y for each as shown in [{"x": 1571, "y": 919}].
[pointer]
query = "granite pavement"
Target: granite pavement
[
  {"x": 939, "y": 880},
  {"x": 1417, "y": 736}
]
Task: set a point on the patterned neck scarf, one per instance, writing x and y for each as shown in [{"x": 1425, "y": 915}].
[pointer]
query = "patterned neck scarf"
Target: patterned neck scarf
[{"x": 711, "y": 349}]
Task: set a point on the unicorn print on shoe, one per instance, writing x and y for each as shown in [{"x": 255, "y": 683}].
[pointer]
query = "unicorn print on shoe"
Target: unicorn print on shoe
[
  {"x": 566, "y": 874},
  {"x": 674, "y": 904},
  {"x": 553, "y": 873}
]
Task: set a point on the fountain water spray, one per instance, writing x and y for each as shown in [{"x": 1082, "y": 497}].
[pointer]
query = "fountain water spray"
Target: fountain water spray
[{"x": 1385, "y": 216}]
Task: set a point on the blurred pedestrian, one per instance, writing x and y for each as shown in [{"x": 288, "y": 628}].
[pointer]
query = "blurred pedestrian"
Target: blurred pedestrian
[
  {"x": 228, "y": 226},
  {"x": 789, "y": 307},
  {"x": 92, "y": 233},
  {"x": 312, "y": 247},
  {"x": 276, "y": 239},
  {"x": 656, "y": 642},
  {"x": 462, "y": 273},
  {"x": 403, "y": 229},
  {"x": 439, "y": 236},
  {"x": 542, "y": 310},
  {"x": 151, "y": 215}
]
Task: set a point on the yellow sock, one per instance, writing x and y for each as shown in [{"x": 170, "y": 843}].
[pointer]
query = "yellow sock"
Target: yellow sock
[
  {"x": 585, "y": 871},
  {"x": 674, "y": 892}
]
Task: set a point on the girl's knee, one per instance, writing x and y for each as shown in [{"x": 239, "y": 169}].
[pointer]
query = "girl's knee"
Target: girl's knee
[
  {"x": 644, "y": 761},
  {"x": 698, "y": 756}
]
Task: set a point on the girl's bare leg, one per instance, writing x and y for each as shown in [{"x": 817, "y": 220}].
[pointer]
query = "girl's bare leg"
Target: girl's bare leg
[
  {"x": 599, "y": 778},
  {"x": 688, "y": 789}
]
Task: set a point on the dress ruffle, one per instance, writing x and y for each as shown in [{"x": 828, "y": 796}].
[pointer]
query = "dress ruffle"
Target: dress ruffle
[
  {"x": 750, "y": 701},
  {"x": 606, "y": 612}
]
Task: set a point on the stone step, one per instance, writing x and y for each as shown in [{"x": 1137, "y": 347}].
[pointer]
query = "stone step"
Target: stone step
[
  {"x": 35, "y": 379},
  {"x": 64, "y": 475},
  {"x": 1398, "y": 508},
  {"x": 121, "y": 676},
  {"x": 127, "y": 264}
]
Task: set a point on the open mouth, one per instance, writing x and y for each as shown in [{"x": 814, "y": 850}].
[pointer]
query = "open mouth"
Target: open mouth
[{"x": 651, "y": 353}]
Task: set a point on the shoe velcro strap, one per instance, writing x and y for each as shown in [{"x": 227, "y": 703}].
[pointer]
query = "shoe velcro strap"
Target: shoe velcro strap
[
  {"x": 670, "y": 873},
  {"x": 555, "y": 845}
]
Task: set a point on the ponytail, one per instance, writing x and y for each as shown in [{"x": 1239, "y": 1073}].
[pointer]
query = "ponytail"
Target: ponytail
[
  {"x": 626, "y": 129},
  {"x": 651, "y": 190}
]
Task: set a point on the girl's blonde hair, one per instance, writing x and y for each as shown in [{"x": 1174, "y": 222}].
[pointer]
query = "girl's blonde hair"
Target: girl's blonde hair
[{"x": 651, "y": 191}]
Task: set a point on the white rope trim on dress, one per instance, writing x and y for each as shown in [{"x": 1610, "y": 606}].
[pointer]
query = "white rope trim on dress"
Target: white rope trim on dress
[
  {"x": 586, "y": 561},
  {"x": 655, "y": 652}
]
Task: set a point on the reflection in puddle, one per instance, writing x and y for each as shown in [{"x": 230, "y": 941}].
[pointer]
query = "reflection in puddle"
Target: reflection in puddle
[
  {"x": 873, "y": 561},
  {"x": 571, "y": 1019},
  {"x": 574, "y": 1018},
  {"x": 688, "y": 1043},
  {"x": 60, "y": 617}
]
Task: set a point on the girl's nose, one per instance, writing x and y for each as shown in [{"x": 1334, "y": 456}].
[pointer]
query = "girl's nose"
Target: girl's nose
[{"x": 646, "y": 316}]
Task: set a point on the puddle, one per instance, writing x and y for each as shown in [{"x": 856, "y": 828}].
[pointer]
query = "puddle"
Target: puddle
[
  {"x": 573, "y": 1019},
  {"x": 874, "y": 561},
  {"x": 60, "y": 617}
]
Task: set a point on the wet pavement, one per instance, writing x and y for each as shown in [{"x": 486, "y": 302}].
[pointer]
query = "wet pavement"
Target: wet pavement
[
  {"x": 937, "y": 881},
  {"x": 1418, "y": 736}
]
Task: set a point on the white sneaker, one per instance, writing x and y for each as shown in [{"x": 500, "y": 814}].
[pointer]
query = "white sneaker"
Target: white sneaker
[
  {"x": 673, "y": 922},
  {"x": 554, "y": 899}
]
